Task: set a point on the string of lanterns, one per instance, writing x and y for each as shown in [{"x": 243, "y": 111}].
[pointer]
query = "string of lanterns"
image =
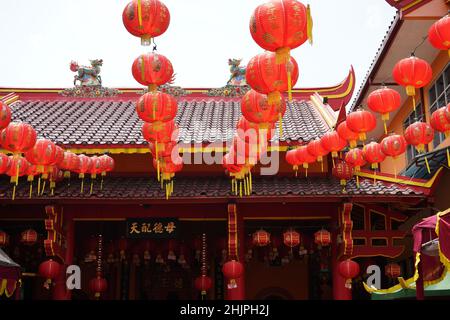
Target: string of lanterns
[{"x": 147, "y": 20}]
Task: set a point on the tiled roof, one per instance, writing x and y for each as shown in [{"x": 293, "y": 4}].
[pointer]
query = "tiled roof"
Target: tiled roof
[
  {"x": 94, "y": 122},
  {"x": 123, "y": 188}
]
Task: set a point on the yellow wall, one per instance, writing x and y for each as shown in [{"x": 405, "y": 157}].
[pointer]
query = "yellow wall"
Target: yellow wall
[{"x": 390, "y": 165}]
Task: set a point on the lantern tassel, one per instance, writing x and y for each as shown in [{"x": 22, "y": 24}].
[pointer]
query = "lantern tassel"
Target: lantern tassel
[
  {"x": 14, "y": 192},
  {"x": 414, "y": 102},
  {"x": 139, "y": 7},
  {"x": 428, "y": 165},
  {"x": 101, "y": 184},
  {"x": 17, "y": 172},
  {"x": 31, "y": 189},
  {"x": 332, "y": 158},
  {"x": 309, "y": 24},
  {"x": 357, "y": 181},
  {"x": 385, "y": 127},
  {"x": 321, "y": 165},
  {"x": 306, "y": 172},
  {"x": 374, "y": 177},
  {"x": 280, "y": 124},
  {"x": 289, "y": 80},
  {"x": 43, "y": 188},
  {"x": 251, "y": 181},
  {"x": 142, "y": 68},
  {"x": 240, "y": 189},
  {"x": 82, "y": 185},
  {"x": 92, "y": 187},
  {"x": 448, "y": 157},
  {"x": 39, "y": 186}
]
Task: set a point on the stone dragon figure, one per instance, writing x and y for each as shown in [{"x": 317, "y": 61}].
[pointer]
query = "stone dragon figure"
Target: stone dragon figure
[
  {"x": 237, "y": 77},
  {"x": 87, "y": 76}
]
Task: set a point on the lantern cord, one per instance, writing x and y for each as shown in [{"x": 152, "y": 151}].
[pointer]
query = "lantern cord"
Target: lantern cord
[
  {"x": 428, "y": 165},
  {"x": 420, "y": 44},
  {"x": 414, "y": 103},
  {"x": 140, "y": 13},
  {"x": 374, "y": 177},
  {"x": 333, "y": 162}
]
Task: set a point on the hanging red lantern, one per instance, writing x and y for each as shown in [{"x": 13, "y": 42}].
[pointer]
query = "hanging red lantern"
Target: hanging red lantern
[
  {"x": 98, "y": 285},
  {"x": 152, "y": 70},
  {"x": 254, "y": 133},
  {"x": 264, "y": 75},
  {"x": 316, "y": 149},
  {"x": 247, "y": 154},
  {"x": 412, "y": 73},
  {"x": 322, "y": 238},
  {"x": 29, "y": 237},
  {"x": 232, "y": 270},
  {"x": 43, "y": 154},
  {"x": 230, "y": 164},
  {"x": 203, "y": 283},
  {"x": 392, "y": 270},
  {"x": 70, "y": 162},
  {"x": 343, "y": 172},
  {"x": 84, "y": 167},
  {"x": 393, "y": 145},
  {"x": 440, "y": 121},
  {"x": 304, "y": 158},
  {"x": 146, "y": 19},
  {"x": 349, "y": 269},
  {"x": 107, "y": 164},
  {"x": 439, "y": 34},
  {"x": 355, "y": 158},
  {"x": 332, "y": 142},
  {"x": 347, "y": 134},
  {"x": 261, "y": 238},
  {"x": 49, "y": 270},
  {"x": 161, "y": 132},
  {"x": 384, "y": 101},
  {"x": 373, "y": 153},
  {"x": 18, "y": 168},
  {"x": 419, "y": 134},
  {"x": 156, "y": 106},
  {"x": 362, "y": 122},
  {"x": 291, "y": 158},
  {"x": 18, "y": 137},
  {"x": 59, "y": 156},
  {"x": 5, "y": 115},
  {"x": 291, "y": 238},
  {"x": 4, "y": 239},
  {"x": 5, "y": 163}
]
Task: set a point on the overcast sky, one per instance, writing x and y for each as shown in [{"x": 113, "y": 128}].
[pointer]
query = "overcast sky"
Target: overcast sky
[{"x": 40, "y": 38}]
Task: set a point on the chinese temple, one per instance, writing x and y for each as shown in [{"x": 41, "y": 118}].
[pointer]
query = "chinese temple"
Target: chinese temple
[{"x": 89, "y": 175}]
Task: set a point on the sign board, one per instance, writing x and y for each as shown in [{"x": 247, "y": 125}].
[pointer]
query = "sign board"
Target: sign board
[{"x": 156, "y": 228}]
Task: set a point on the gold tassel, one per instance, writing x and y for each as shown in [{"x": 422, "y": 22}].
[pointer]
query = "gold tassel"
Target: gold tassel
[
  {"x": 374, "y": 177},
  {"x": 251, "y": 182},
  {"x": 43, "y": 187},
  {"x": 280, "y": 124},
  {"x": 232, "y": 186},
  {"x": 101, "y": 184},
  {"x": 414, "y": 102},
  {"x": 448, "y": 157},
  {"x": 92, "y": 187},
  {"x": 385, "y": 127},
  {"x": 428, "y": 165},
  {"x": 31, "y": 189},
  {"x": 357, "y": 181},
  {"x": 14, "y": 193},
  {"x": 321, "y": 165},
  {"x": 289, "y": 79},
  {"x": 139, "y": 9},
  {"x": 309, "y": 24},
  {"x": 306, "y": 172},
  {"x": 142, "y": 68},
  {"x": 332, "y": 158},
  {"x": 82, "y": 186},
  {"x": 39, "y": 186},
  {"x": 240, "y": 189}
]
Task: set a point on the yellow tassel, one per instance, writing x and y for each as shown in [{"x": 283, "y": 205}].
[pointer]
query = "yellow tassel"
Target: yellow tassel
[
  {"x": 385, "y": 127},
  {"x": 357, "y": 181},
  {"x": 240, "y": 189},
  {"x": 251, "y": 182},
  {"x": 14, "y": 193},
  {"x": 43, "y": 187},
  {"x": 283, "y": 55},
  {"x": 139, "y": 7},
  {"x": 309, "y": 26},
  {"x": 332, "y": 159},
  {"x": 101, "y": 184},
  {"x": 142, "y": 68},
  {"x": 448, "y": 157},
  {"x": 31, "y": 189},
  {"x": 306, "y": 172},
  {"x": 428, "y": 165},
  {"x": 289, "y": 79},
  {"x": 414, "y": 102},
  {"x": 321, "y": 165},
  {"x": 17, "y": 172},
  {"x": 82, "y": 186},
  {"x": 374, "y": 177},
  {"x": 92, "y": 186},
  {"x": 39, "y": 186},
  {"x": 232, "y": 186},
  {"x": 280, "y": 124}
]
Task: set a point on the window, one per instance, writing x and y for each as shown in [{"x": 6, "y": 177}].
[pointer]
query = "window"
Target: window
[
  {"x": 439, "y": 97},
  {"x": 377, "y": 221},
  {"x": 358, "y": 217},
  {"x": 414, "y": 116}
]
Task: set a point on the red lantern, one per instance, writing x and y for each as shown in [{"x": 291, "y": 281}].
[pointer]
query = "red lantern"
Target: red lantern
[
  {"x": 229, "y": 163},
  {"x": 43, "y": 154},
  {"x": 291, "y": 158},
  {"x": 322, "y": 238},
  {"x": 393, "y": 145},
  {"x": 232, "y": 270},
  {"x": 156, "y": 106},
  {"x": 152, "y": 70},
  {"x": 18, "y": 168},
  {"x": 316, "y": 149},
  {"x": 107, "y": 164},
  {"x": 146, "y": 19},
  {"x": 280, "y": 26},
  {"x": 392, "y": 270},
  {"x": 49, "y": 270},
  {"x": 18, "y": 137},
  {"x": 264, "y": 75},
  {"x": 412, "y": 73},
  {"x": 85, "y": 164},
  {"x": 291, "y": 238},
  {"x": 28, "y": 237},
  {"x": 261, "y": 238},
  {"x": 95, "y": 167},
  {"x": 349, "y": 269},
  {"x": 5, "y": 163},
  {"x": 362, "y": 122},
  {"x": 161, "y": 132},
  {"x": 255, "y": 108},
  {"x": 98, "y": 285},
  {"x": 304, "y": 158},
  {"x": 347, "y": 134},
  {"x": 332, "y": 142},
  {"x": 71, "y": 162},
  {"x": 355, "y": 158},
  {"x": 254, "y": 133},
  {"x": 203, "y": 283},
  {"x": 4, "y": 239},
  {"x": 5, "y": 115},
  {"x": 373, "y": 153},
  {"x": 439, "y": 34},
  {"x": 440, "y": 121},
  {"x": 383, "y": 101},
  {"x": 419, "y": 134},
  {"x": 343, "y": 172}
]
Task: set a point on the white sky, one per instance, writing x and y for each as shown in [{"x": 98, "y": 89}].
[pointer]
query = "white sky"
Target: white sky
[{"x": 40, "y": 37}]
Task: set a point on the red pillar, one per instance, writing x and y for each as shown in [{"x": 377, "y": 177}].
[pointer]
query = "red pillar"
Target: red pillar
[
  {"x": 239, "y": 292},
  {"x": 340, "y": 292}
]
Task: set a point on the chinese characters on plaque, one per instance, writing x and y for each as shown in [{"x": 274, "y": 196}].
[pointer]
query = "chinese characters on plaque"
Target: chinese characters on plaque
[{"x": 159, "y": 228}]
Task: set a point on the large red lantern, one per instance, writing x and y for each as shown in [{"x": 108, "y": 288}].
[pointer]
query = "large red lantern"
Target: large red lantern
[
  {"x": 247, "y": 153},
  {"x": 344, "y": 172},
  {"x": 322, "y": 238},
  {"x": 254, "y": 133},
  {"x": 439, "y": 34},
  {"x": 161, "y": 132},
  {"x": 392, "y": 270},
  {"x": 18, "y": 168},
  {"x": 152, "y": 70},
  {"x": 355, "y": 158},
  {"x": 440, "y": 121},
  {"x": 348, "y": 134},
  {"x": 280, "y": 26},
  {"x": 232, "y": 270},
  {"x": 49, "y": 270},
  {"x": 70, "y": 162},
  {"x": 203, "y": 283},
  {"x": 5, "y": 115},
  {"x": 18, "y": 137},
  {"x": 4, "y": 239},
  {"x": 362, "y": 122},
  {"x": 384, "y": 101},
  {"x": 291, "y": 238},
  {"x": 261, "y": 238},
  {"x": 146, "y": 19},
  {"x": 43, "y": 154},
  {"x": 349, "y": 269},
  {"x": 255, "y": 108},
  {"x": 316, "y": 149},
  {"x": 264, "y": 75},
  {"x": 107, "y": 164},
  {"x": 419, "y": 134},
  {"x": 393, "y": 145},
  {"x": 5, "y": 163},
  {"x": 373, "y": 153},
  {"x": 332, "y": 142},
  {"x": 412, "y": 73},
  {"x": 98, "y": 285},
  {"x": 304, "y": 158},
  {"x": 29, "y": 237},
  {"x": 156, "y": 106}
]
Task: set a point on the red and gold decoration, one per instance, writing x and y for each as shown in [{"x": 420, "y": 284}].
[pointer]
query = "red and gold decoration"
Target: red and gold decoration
[
  {"x": 419, "y": 134},
  {"x": 440, "y": 121},
  {"x": 4, "y": 239},
  {"x": 291, "y": 238},
  {"x": 29, "y": 237},
  {"x": 349, "y": 269},
  {"x": 146, "y": 19},
  {"x": 18, "y": 137},
  {"x": 54, "y": 244},
  {"x": 84, "y": 167},
  {"x": 412, "y": 73},
  {"x": 333, "y": 142},
  {"x": 316, "y": 149},
  {"x": 156, "y": 106},
  {"x": 18, "y": 168},
  {"x": 49, "y": 270},
  {"x": 70, "y": 163},
  {"x": 232, "y": 270},
  {"x": 347, "y": 134},
  {"x": 203, "y": 283},
  {"x": 393, "y": 146},
  {"x": 355, "y": 158},
  {"x": 291, "y": 158},
  {"x": 5, "y": 115},
  {"x": 152, "y": 70},
  {"x": 361, "y": 122},
  {"x": 439, "y": 34},
  {"x": 99, "y": 285},
  {"x": 107, "y": 165},
  {"x": 322, "y": 238},
  {"x": 261, "y": 238},
  {"x": 392, "y": 270},
  {"x": 344, "y": 172},
  {"x": 373, "y": 153},
  {"x": 304, "y": 158},
  {"x": 384, "y": 101}
]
